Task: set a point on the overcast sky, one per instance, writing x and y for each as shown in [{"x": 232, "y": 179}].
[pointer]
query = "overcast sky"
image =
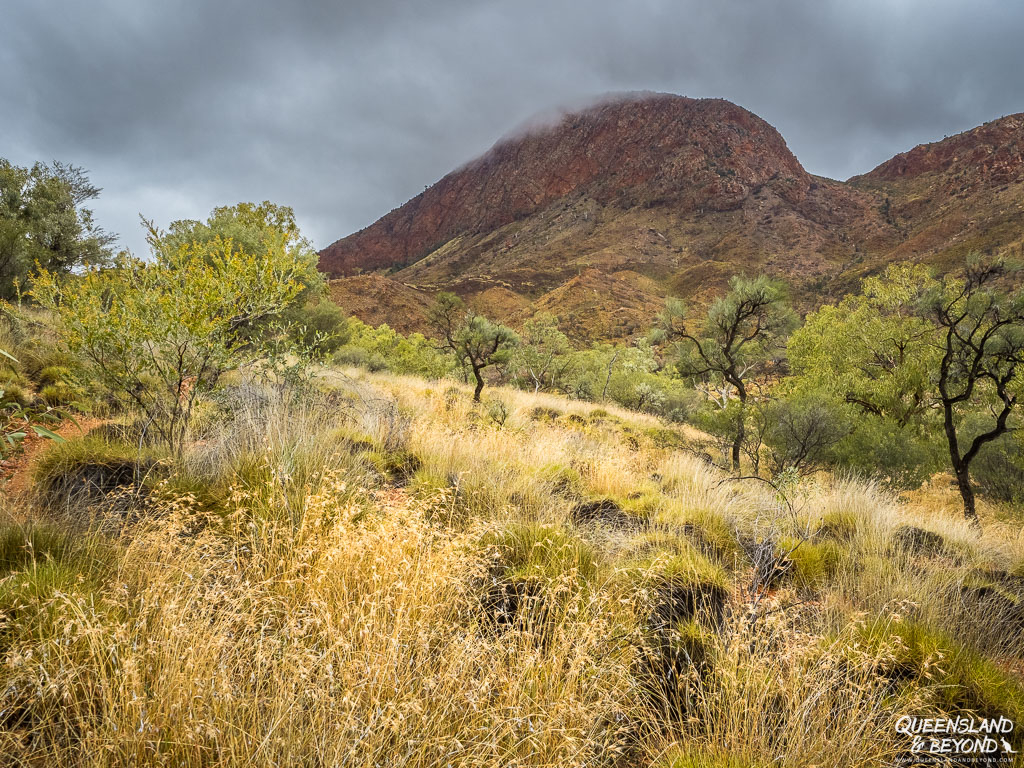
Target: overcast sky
[{"x": 345, "y": 110}]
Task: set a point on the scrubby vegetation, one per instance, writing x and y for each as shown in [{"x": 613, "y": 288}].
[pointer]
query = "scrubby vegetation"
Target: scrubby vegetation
[
  {"x": 376, "y": 572},
  {"x": 282, "y": 537}
]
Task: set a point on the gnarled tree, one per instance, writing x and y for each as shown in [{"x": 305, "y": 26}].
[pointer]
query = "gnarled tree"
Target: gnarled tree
[
  {"x": 740, "y": 341},
  {"x": 476, "y": 341},
  {"x": 980, "y": 336}
]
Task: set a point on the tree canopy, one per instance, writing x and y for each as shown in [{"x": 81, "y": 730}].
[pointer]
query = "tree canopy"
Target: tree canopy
[
  {"x": 477, "y": 342},
  {"x": 44, "y": 222},
  {"x": 738, "y": 341},
  {"x": 158, "y": 333}
]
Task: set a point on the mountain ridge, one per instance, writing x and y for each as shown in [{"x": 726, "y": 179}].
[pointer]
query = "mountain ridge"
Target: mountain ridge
[{"x": 684, "y": 193}]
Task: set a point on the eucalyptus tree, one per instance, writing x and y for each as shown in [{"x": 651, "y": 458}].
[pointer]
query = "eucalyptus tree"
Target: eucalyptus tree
[
  {"x": 476, "y": 342},
  {"x": 734, "y": 347},
  {"x": 44, "y": 221}
]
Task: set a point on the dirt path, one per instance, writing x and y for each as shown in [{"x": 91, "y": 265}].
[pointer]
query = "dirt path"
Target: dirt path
[{"x": 16, "y": 471}]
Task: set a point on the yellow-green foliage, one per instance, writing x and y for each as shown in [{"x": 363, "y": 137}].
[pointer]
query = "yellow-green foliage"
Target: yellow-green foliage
[
  {"x": 689, "y": 757},
  {"x": 14, "y": 393},
  {"x": 267, "y": 600},
  {"x": 41, "y": 566},
  {"x": 56, "y": 395},
  {"x": 158, "y": 332},
  {"x": 562, "y": 478},
  {"x": 383, "y": 348},
  {"x": 687, "y": 566},
  {"x": 813, "y": 563},
  {"x": 952, "y": 678},
  {"x": 540, "y": 553}
]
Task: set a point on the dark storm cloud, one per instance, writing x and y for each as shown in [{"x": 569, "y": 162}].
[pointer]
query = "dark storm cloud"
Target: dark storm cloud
[{"x": 345, "y": 110}]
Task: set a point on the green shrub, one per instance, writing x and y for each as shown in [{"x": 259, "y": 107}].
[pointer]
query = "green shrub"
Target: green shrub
[
  {"x": 562, "y": 479},
  {"x": 319, "y": 326},
  {"x": 15, "y": 393},
  {"x": 999, "y": 469},
  {"x": 53, "y": 374},
  {"x": 685, "y": 583},
  {"x": 396, "y": 467},
  {"x": 497, "y": 410},
  {"x": 57, "y": 395},
  {"x": 879, "y": 448},
  {"x": 544, "y": 413},
  {"x": 802, "y": 431},
  {"x": 358, "y": 357},
  {"x": 956, "y": 679},
  {"x": 383, "y": 348},
  {"x": 838, "y": 524}
]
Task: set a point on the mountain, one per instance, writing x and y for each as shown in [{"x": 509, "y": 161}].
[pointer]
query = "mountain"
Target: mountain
[
  {"x": 949, "y": 198},
  {"x": 600, "y": 214}
]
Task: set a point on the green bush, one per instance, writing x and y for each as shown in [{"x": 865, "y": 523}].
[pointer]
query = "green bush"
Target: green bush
[
  {"x": 319, "y": 326},
  {"x": 801, "y": 431},
  {"x": 383, "y": 348},
  {"x": 53, "y": 374},
  {"x": 15, "y": 393},
  {"x": 360, "y": 357},
  {"x": 900, "y": 457},
  {"x": 542, "y": 553},
  {"x": 956, "y": 679},
  {"x": 999, "y": 469},
  {"x": 56, "y": 395},
  {"x": 813, "y": 564}
]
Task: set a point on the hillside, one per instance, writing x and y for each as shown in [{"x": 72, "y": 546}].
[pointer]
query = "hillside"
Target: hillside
[
  {"x": 384, "y": 574},
  {"x": 685, "y": 193},
  {"x": 962, "y": 194}
]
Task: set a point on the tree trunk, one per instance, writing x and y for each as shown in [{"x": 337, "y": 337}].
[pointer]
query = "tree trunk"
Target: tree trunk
[
  {"x": 737, "y": 444},
  {"x": 479, "y": 384},
  {"x": 608, "y": 378},
  {"x": 741, "y": 424},
  {"x": 961, "y": 469},
  {"x": 963, "y": 482}
]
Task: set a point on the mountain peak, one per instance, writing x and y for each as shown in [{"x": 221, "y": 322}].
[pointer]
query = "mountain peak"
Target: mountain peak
[
  {"x": 638, "y": 196},
  {"x": 626, "y": 150}
]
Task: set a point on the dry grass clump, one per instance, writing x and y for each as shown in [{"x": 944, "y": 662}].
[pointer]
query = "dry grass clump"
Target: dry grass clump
[
  {"x": 347, "y": 638},
  {"x": 382, "y": 573}
]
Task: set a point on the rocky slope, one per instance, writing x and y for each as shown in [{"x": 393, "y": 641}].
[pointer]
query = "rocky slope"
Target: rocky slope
[
  {"x": 646, "y": 195},
  {"x": 951, "y": 197}
]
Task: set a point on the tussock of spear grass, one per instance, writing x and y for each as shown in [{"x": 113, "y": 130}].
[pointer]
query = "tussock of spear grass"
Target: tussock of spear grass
[{"x": 382, "y": 573}]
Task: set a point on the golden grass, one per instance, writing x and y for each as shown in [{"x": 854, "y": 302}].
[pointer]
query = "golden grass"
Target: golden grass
[{"x": 277, "y": 601}]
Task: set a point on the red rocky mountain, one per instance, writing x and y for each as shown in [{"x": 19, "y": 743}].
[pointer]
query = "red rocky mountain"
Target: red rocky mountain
[{"x": 647, "y": 195}]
